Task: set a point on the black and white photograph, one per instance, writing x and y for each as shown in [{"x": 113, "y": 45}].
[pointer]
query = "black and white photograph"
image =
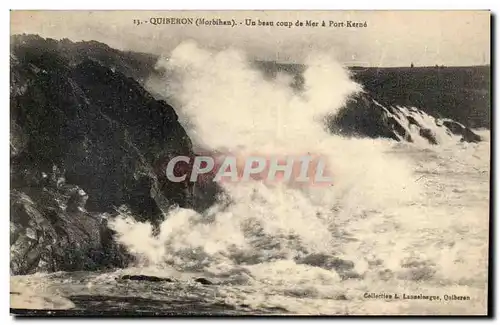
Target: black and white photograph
[{"x": 250, "y": 163}]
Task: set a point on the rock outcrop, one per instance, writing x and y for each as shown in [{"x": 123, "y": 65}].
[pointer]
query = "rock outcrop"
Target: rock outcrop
[
  {"x": 138, "y": 66},
  {"x": 85, "y": 140},
  {"x": 364, "y": 116}
]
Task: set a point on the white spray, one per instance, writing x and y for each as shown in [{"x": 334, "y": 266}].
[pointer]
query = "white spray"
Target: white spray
[{"x": 227, "y": 105}]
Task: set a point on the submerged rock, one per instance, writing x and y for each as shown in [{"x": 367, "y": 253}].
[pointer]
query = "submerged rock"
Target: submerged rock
[
  {"x": 149, "y": 278},
  {"x": 203, "y": 281},
  {"x": 417, "y": 270},
  {"x": 344, "y": 268}
]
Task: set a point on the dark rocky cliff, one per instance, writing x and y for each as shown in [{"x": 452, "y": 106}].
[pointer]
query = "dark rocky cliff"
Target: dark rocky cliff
[{"x": 85, "y": 140}]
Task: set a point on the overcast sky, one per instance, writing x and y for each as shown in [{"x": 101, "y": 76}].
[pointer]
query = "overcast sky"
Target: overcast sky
[{"x": 391, "y": 38}]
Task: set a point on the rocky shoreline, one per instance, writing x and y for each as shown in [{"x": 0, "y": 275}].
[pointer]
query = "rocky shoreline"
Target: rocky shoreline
[{"x": 88, "y": 142}]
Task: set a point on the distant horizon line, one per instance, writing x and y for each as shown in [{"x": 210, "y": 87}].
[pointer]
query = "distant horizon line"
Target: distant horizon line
[
  {"x": 440, "y": 66},
  {"x": 262, "y": 60}
]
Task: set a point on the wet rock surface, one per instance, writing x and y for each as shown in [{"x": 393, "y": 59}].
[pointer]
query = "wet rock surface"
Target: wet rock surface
[
  {"x": 203, "y": 281},
  {"x": 344, "y": 268},
  {"x": 364, "y": 116},
  {"x": 145, "y": 278},
  {"x": 85, "y": 142}
]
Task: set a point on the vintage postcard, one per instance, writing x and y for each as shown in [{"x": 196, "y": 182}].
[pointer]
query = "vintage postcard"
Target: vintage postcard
[{"x": 249, "y": 162}]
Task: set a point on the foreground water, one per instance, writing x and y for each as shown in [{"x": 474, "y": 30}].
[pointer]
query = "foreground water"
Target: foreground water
[{"x": 434, "y": 245}]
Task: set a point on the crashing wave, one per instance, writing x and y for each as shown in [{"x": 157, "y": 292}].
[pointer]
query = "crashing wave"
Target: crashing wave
[{"x": 368, "y": 117}]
